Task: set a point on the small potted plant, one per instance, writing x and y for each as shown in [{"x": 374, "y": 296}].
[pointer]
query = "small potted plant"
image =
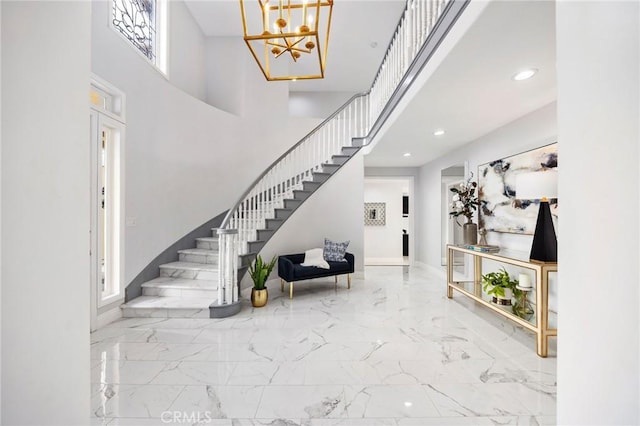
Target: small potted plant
[
  {"x": 259, "y": 272},
  {"x": 500, "y": 285}
]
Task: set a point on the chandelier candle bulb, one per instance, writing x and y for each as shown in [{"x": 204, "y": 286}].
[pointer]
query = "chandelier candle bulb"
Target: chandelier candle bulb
[
  {"x": 524, "y": 281},
  {"x": 304, "y": 11},
  {"x": 266, "y": 16}
]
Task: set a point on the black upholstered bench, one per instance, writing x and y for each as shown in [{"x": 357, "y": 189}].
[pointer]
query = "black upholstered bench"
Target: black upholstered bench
[{"x": 291, "y": 270}]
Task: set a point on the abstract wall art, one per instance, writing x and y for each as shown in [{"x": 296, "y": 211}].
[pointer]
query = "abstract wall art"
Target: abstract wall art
[{"x": 499, "y": 210}]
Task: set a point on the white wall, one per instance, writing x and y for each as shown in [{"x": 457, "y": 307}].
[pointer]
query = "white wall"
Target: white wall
[
  {"x": 186, "y": 51},
  {"x": 45, "y": 212},
  {"x": 316, "y": 104},
  {"x": 531, "y": 131},
  {"x": 226, "y": 59},
  {"x": 598, "y": 110},
  {"x": 383, "y": 244},
  {"x": 186, "y": 161},
  {"x": 334, "y": 212}
]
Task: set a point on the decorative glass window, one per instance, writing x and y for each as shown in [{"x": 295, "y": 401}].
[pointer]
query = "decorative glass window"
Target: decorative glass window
[{"x": 142, "y": 22}]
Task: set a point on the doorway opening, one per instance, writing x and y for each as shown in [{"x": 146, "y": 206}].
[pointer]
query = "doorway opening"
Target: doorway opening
[
  {"x": 389, "y": 221},
  {"x": 107, "y": 130},
  {"x": 451, "y": 230}
]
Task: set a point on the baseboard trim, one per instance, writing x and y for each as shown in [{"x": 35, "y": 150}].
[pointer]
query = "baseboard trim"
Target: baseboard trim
[{"x": 108, "y": 317}]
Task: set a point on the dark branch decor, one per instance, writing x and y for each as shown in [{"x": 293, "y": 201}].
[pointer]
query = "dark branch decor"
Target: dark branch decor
[
  {"x": 464, "y": 201},
  {"x": 136, "y": 20}
]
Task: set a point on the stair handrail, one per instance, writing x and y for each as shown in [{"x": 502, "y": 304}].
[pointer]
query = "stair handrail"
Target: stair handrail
[
  {"x": 406, "y": 55},
  {"x": 225, "y": 221}
]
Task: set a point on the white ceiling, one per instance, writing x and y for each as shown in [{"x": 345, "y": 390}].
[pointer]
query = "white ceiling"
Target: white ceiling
[
  {"x": 472, "y": 93},
  {"x": 356, "y": 24}
]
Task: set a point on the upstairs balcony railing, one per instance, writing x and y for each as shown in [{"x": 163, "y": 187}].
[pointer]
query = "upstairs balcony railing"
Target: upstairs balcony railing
[{"x": 353, "y": 124}]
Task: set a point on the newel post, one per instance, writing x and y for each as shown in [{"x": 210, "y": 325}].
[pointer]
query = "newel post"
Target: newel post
[{"x": 227, "y": 303}]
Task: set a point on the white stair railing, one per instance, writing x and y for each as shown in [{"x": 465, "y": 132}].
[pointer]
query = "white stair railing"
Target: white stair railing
[
  {"x": 297, "y": 165},
  {"x": 354, "y": 119}
]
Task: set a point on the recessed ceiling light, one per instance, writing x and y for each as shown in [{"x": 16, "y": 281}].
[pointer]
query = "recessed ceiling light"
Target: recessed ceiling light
[
  {"x": 408, "y": 404},
  {"x": 525, "y": 74},
  {"x": 373, "y": 44},
  {"x": 407, "y": 154},
  {"x": 438, "y": 132}
]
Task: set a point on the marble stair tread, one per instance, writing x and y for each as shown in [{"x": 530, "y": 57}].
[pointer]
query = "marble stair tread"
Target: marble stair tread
[
  {"x": 164, "y": 302},
  {"x": 200, "y": 251},
  {"x": 182, "y": 283},
  {"x": 191, "y": 266}
]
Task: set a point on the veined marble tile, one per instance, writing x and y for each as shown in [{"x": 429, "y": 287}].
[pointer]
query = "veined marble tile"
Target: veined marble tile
[
  {"x": 309, "y": 350},
  {"x": 181, "y": 352},
  {"x": 267, "y": 373},
  {"x": 268, "y": 422},
  {"x": 270, "y": 322},
  {"x": 302, "y": 402},
  {"x": 165, "y": 323},
  {"x": 219, "y": 402},
  {"x": 461, "y": 421},
  {"x": 399, "y": 372},
  {"x": 349, "y": 422},
  {"x": 134, "y": 351},
  {"x": 126, "y": 372},
  {"x": 329, "y": 358},
  {"x": 117, "y": 335},
  {"x": 280, "y": 335},
  {"x": 224, "y": 335},
  {"x": 168, "y": 418},
  {"x": 194, "y": 373},
  {"x": 230, "y": 352},
  {"x": 474, "y": 400},
  {"x": 339, "y": 372},
  {"x": 136, "y": 323},
  {"x": 389, "y": 401},
  {"x": 539, "y": 399},
  {"x": 134, "y": 400},
  {"x": 175, "y": 335}
]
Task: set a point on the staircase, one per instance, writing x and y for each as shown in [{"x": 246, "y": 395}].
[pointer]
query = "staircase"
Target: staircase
[
  {"x": 204, "y": 282},
  {"x": 184, "y": 289},
  {"x": 187, "y": 288}
]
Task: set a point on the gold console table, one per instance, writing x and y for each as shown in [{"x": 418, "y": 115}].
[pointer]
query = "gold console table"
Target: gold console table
[{"x": 539, "y": 323}]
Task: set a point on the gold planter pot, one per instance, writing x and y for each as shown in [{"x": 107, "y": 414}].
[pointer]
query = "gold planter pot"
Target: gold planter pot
[{"x": 259, "y": 297}]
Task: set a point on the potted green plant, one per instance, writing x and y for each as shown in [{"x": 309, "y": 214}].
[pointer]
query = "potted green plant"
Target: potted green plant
[
  {"x": 259, "y": 272},
  {"x": 500, "y": 285}
]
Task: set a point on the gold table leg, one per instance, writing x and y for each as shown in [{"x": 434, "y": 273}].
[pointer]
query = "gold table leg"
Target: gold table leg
[{"x": 449, "y": 273}]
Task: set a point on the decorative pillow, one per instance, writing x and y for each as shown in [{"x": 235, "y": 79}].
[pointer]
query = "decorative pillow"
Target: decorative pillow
[
  {"x": 334, "y": 252},
  {"x": 314, "y": 257}
]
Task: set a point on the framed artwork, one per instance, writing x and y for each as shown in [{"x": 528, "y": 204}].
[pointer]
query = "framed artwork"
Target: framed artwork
[
  {"x": 499, "y": 210},
  {"x": 374, "y": 214}
]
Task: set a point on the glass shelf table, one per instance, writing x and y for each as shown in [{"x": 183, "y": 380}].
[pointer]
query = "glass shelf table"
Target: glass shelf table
[{"x": 539, "y": 322}]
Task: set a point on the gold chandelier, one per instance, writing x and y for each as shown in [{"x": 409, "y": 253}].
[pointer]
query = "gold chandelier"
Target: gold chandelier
[{"x": 294, "y": 29}]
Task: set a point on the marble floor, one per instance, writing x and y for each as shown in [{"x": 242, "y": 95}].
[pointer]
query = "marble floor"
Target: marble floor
[{"x": 392, "y": 351}]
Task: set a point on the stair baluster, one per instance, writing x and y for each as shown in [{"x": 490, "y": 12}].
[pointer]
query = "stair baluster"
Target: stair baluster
[{"x": 357, "y": 119}]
